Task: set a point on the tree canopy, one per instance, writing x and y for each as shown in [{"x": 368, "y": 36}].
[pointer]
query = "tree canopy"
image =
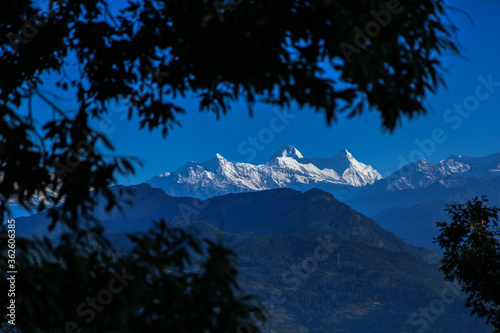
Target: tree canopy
[
  {"x": 169, "y": 280},
  {"x": 471, "y": 242}
]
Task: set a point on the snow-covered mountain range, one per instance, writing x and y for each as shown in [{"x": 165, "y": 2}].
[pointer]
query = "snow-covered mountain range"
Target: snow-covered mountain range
[
  {"x": 422, "y": 174},
  {"x": 411, "y": 200},
  {"x": 341, "y": 175}
]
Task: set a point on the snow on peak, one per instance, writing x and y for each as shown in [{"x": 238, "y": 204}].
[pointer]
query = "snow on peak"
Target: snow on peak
[
  {"x": 288, "y": 151},
  {"x": 422, "y": 173},
  {"x": 423, "y": 164},
  {"x": 341, "y": 175},
  {"x": 354, "y": 172},
  {"x": 344, "y": 153}
]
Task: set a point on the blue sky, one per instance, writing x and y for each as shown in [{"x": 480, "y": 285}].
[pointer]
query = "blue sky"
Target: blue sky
[{"x": 440, "y": 132}]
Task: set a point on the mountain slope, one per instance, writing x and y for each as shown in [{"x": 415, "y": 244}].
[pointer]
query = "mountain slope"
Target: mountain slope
[
  {"x": 276, "y": 234},
  {"x": 411, "y": 201},
  {"x": 338, "y": 293},
  {"x": 263, "y": 213}
]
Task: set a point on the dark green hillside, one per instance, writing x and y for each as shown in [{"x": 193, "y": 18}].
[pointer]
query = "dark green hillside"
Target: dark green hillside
[
  {"x": 273, "y": 212},
  {"x": 325, "y": 284},
  {"x": 339, "y": 297},
  {"x": 285, "y": 211}
]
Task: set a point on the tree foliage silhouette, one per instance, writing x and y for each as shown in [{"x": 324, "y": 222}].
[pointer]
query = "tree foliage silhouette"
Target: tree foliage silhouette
[
  {"x": 170, "y": 280},
  {"x": 471, "y": 242},
  {"x": 154, "y": 51}
]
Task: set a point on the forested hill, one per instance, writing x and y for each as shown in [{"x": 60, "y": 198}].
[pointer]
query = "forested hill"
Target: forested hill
[
  {"x": 335, "y": 269},
  {"x": 271, "y": 212}
]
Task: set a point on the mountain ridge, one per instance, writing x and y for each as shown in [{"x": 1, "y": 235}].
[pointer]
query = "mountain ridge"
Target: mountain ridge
[
  {"x": 275, "y": 212},
  {"x": 340, "y": 175},
  {"x": 456, "y": 178},
  {"x": 277, "y": 232},
  {"x": 423, "y": 173}
]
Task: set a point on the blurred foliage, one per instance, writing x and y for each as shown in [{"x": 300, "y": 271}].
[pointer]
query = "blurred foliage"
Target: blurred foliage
[
  {"x": 471, "y": 242},
  {"x": 169, "y": 281}
]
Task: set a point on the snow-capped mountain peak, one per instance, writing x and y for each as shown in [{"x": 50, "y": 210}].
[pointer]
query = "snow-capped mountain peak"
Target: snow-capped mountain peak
[
  {"x": 341, "y": 175},
  {"x": 344, "y": 153},
  {"x": 287, "y": 151},
  {"x": 422, "y": 174}
]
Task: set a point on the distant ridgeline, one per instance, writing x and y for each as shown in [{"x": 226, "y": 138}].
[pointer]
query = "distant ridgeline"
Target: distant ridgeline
[{"x": 407, "y": 203}]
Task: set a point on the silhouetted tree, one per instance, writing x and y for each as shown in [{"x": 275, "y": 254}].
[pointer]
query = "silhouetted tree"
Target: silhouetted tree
[
  {"x": 170, "y": 280},
  {"x": 471, "y": 244}
]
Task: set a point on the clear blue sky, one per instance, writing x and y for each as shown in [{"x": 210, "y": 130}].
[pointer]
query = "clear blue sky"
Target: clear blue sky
[{"x": 477, "y": 134}]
